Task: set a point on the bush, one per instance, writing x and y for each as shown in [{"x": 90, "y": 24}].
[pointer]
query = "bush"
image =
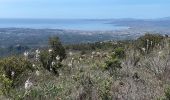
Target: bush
[
  {"x": 119, "y": 53},
  {"x": 167, "y": 93},
  {"x": 57, "y": 47},
  {"x": 48, "y": 59},
  {"x": 11, "y": 71},
  {"x": 113, "y": 66},
  {"x": 149, "y": 41}
]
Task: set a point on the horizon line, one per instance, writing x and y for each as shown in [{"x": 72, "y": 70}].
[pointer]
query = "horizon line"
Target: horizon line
[{"x": 90, "y": 18}]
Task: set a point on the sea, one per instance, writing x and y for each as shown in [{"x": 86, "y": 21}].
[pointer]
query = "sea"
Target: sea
[{"x": 65, "y": 24}]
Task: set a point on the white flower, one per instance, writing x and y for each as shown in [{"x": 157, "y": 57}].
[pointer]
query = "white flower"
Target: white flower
[
  {"x": 37, "y": 57},
  {"x": 160, "y": 53},
  {"x": 143, "y": 49},
  {"x": 70, "y": 64},
  {"x": 50, "y": 50},
  {"x": 93, "y": 53},
  {"x": 72, "y": 60},
  {"x": 58, "y": 58},
  {"x": 33, "y": 65},
  {"x": 26, "y": 54},
  {"x": 51, "y": 68},
  {"x": 37, "y": 54},
  {"x": 4, "y": 75},
  {"x": 37, "y": 51},
  {"x": 151, "y": 43},
  {"x": 28, "y": 84},
  {"x": 37, "y": 72},
  {"x": 80, "y": 59},
  {"x": 98, "y": 53},
  {"x": 70, "y": 53},
  {"x": 115, "y": 43},
  {"x": 53, "y": 63},
  {"x": 60, "y": 74},
  {"x": 12, "y": 73}
]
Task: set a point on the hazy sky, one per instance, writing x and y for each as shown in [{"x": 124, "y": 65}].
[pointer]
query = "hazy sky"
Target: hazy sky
[{"x": 84, "y": 8}]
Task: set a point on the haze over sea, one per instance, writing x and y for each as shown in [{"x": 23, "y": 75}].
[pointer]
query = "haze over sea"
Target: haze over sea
[{"x": 68, "y": 24}]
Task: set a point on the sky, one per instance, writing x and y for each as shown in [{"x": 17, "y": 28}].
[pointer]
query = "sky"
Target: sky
[{"x": 84, "y": 9}]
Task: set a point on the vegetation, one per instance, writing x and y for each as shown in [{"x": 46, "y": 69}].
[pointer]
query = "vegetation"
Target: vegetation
[
  {"x": 109, "y": 70},
  {"x": 12, "y": 69},
  {"x": 149, "y": 41}
]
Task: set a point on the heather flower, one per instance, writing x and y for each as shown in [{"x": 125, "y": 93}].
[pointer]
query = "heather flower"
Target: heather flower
[
  {"x": 53, "y": 63},
  {"x": 80, "y": 59},
  {"x": 26, "y": 54},
  {"x": 12, "y": 73},
  {"x": 37, "y": 72},
  {"x": 50, "y": 50},
  {"x": 37, "y": 54},
  {"x": 159, "y": 53},
  {"x": 28, "y": 84},
  {"x": 58, "y": 58},
  {"x": 4, "y": 75},
  {"x": 72, "y": 60},
  {"x": 98, "y": 53},
  {"x": 93, "y": 53},
  {"x": 33, "y": 65},
  {"x": 37, "y": 51},
  {"x": 70, "y": 64},
  {"x": 151, "y": 43},
  {"x": 70, "y": 53},
  {"x": 51, "y": 68},
  {"x": 143, "y": 49}
]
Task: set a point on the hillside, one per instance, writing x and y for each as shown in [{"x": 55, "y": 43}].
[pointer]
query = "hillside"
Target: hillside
[{"x": 110, "y": 70}]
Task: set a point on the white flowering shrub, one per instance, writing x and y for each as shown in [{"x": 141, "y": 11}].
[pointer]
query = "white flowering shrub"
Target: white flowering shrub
[
  {"x": 51, "y": 59},
  {"x": 57, "y": 48},
  {"x": 11, "y": 71}
]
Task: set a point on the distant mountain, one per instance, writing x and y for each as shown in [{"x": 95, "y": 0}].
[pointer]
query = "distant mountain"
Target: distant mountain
[
  {"x": 153, "y": 24},
  {"x": 165, "y": 18}
]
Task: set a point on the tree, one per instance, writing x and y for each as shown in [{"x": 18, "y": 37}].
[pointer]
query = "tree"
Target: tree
[
  {"x": 51, "y": 60},
  {"x": 57, "y": 48}
]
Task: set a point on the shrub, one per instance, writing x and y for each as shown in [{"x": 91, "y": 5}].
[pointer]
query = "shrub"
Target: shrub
[
  {"x": 57, "y": 47},
  {"x": 11, "y": 71},
  {"x": 167, "y": 93},
  {"x": 119, "y": 53},
  {"x": 48, "y": 59},
  {"x": 105, "y": 90},
  {"x": 113, "y": 66},
  {"x": 149, "y": 41}
]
